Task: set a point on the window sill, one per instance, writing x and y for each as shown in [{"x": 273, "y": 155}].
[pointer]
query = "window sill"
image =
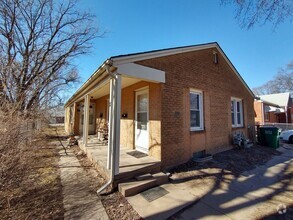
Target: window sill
[
  {"x": 196, "y": 129},
  {"x": 240, "y": 126}
]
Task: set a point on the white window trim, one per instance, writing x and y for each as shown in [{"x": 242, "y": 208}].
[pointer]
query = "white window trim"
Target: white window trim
[
  {"x": 201, "y": 127},
  {"x": 236, "y": 125}
]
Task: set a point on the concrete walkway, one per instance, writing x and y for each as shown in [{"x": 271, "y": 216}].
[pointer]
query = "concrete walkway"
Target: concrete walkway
[
  {"x": 253, "y": 195},
  {"x": 79, "y": 202}
]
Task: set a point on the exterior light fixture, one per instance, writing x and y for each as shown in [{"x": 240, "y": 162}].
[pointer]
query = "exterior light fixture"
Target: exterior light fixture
[{"x": 215, "y": 57}]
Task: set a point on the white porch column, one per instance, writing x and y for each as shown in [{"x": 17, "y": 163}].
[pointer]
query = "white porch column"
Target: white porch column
[
  {"x": 114, "y": 123},
  {"x": 110, "y": 125},
  {"x": 85, "y": 120},
  {"x": 117, "y": 122}
]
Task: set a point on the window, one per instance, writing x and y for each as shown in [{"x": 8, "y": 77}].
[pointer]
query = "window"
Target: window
[
  {"x": 196, "y": 110},
  {"x": 236, "y": 112}
]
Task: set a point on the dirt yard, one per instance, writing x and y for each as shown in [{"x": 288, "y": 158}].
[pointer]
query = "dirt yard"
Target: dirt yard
[
  {"x": 234, "y": 160},
  {"x": 31, "y": 189}
]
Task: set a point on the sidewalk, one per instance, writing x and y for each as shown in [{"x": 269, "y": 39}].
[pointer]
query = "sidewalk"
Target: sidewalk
[{"x": 79, "y": 202}]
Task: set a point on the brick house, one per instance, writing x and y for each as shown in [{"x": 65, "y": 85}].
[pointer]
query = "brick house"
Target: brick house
[
  {"x": 273, "y": 108},
  {"x": 168, "y": 104}
]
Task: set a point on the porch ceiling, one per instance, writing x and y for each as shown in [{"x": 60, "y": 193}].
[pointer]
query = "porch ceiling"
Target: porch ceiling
[{"x": 105, "y": 90}]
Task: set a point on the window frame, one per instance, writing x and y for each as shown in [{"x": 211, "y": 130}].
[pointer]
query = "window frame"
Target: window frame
[
  {"x": 235, "y": 101},
  {"x": 201, "y": 115}
]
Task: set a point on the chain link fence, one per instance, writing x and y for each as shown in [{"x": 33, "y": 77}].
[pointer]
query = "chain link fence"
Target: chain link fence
[{"x": 282, "y": 126}]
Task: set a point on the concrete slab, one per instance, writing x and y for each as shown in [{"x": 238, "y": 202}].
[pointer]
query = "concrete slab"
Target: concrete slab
[
  {"x": 225, "y": 201},
  {"x": 79, "y": 202},
  {"x": 238, "y": 208},
  {"x": 200, "y": 210},
  {"x": 129, "y": 166},
  {"x": 164, "y": 207},
  {"x": 264, "y": 180}
]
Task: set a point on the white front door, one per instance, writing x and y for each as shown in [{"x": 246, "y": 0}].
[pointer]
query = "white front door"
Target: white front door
[
  {"x": 91, "y": 119},
  {"x": 141, "y": 120}
]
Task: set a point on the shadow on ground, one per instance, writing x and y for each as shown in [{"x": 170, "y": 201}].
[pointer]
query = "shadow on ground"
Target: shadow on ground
[{"x": 251, "y": 183}]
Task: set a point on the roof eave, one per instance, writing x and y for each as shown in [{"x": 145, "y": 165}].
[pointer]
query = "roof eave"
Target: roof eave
[
  {"x": 154, "y": 54},
  {"x": 92, "y": 78}
]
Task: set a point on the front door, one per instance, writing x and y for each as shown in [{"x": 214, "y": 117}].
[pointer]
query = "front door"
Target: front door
[
  {"x": 141, "y": 120},
  {"x": 91, "y": 119}
]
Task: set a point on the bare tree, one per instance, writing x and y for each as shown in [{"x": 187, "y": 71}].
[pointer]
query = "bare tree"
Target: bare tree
[
  {"x": 282, "y": 82},
  {"x": 38, "y": 41},
  {"x": 252, "y": 12}
]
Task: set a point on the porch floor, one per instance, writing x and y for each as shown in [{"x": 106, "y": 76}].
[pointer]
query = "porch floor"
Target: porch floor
[{"x": 129, "y": 166}]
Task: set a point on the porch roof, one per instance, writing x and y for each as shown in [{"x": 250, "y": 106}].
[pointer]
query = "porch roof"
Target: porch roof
[
  {"x": 280, "y": 99},
  {"x": 131, "y": 73}
]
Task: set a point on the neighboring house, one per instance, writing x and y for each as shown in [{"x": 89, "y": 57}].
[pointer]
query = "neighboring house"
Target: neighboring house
[
  {"x": 56, "y": 115},
  {"x": 274, "y": 108},
  {"x": 168, "y": 103}
]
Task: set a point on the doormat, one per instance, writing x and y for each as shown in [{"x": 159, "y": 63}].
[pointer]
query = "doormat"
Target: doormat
[
  {"x": 137, "y": 154},
  {"x": 154, "y": 193}
]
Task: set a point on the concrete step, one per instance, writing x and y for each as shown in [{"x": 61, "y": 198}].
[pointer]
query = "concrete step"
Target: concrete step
[
  {"x": 144, "y": 176},
  {"x": 137, "y": 171},
  {"x": 142, "y": 183},
  {"x": 134, "y": 187},
  {"x": 161, "y": 178}
]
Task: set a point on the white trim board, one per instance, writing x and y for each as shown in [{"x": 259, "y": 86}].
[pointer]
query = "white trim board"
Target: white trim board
[{"x": 142, "y": 72}]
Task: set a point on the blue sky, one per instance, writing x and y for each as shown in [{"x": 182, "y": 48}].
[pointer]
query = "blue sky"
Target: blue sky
[{"x": 142, "y": 25}]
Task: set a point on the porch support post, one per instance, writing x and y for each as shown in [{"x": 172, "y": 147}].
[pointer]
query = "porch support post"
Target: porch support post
[
  {"x": 110, "y": 125},
  {"x": 85, "y": 120},
  {"x": 114, "y": 123},
  {"x": 74, "y": 118},
  {"x": 117, "y": 122}
]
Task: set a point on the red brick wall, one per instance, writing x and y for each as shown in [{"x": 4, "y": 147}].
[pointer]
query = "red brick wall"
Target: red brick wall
[
  {"x": 218, "y": 83},
  {"x": 128, "y": 107},
  {"x": 290, "y": 114},
  {"x": 281, "y": 117}
]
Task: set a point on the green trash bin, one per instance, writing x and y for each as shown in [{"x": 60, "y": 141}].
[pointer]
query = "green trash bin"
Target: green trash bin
[
  {"x": 269, "y": 136},
  {"x": 261, "y": 136}
]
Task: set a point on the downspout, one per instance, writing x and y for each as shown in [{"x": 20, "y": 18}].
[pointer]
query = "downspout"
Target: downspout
[
  {"x": 111, "y": 149},
  {"x": 262, "y": 113},
  {"x": 110, "y": 143}
]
